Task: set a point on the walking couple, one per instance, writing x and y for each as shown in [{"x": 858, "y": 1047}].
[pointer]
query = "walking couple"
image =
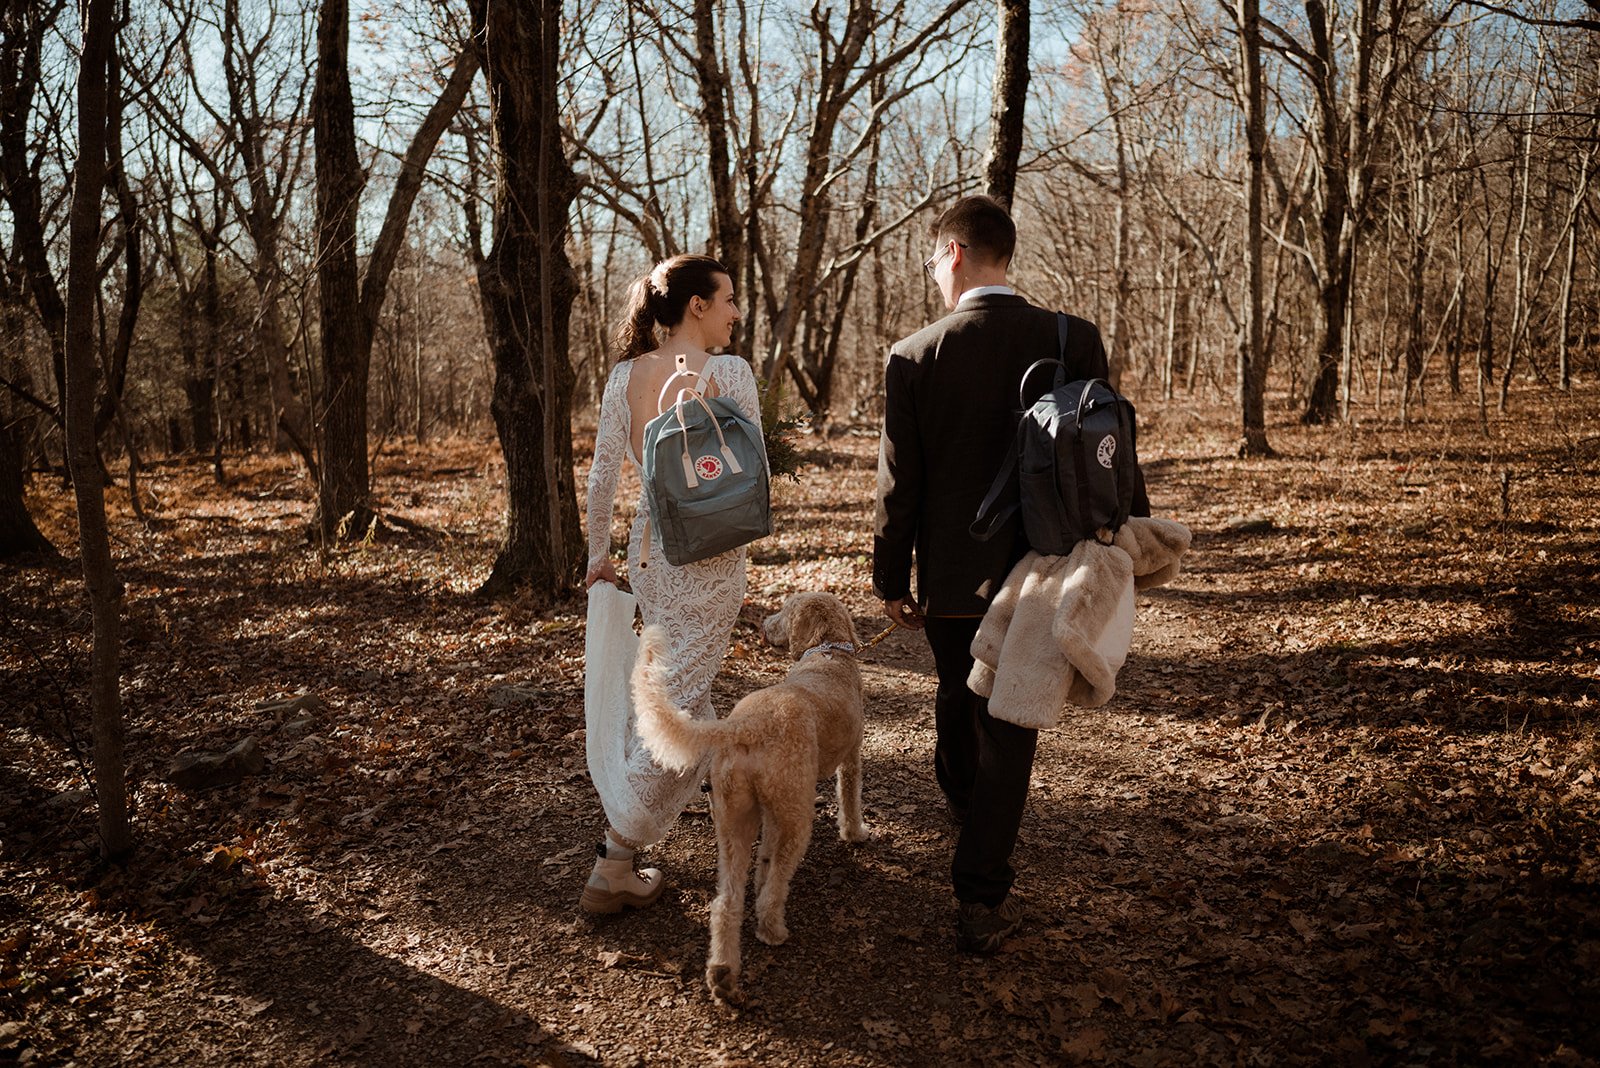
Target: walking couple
[{"x": 949, "y": 417}]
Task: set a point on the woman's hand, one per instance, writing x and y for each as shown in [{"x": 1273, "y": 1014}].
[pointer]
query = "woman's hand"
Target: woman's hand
[{"x": 604, "y": 571}]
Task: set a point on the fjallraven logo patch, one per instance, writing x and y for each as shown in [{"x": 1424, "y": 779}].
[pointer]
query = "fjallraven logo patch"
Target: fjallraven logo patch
[
  {"x": 1108, "y": 446},
  {"x": 708, "y": 467}
]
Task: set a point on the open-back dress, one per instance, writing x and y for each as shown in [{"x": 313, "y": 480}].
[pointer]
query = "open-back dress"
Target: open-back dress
[{"x": 697, "y": 604}]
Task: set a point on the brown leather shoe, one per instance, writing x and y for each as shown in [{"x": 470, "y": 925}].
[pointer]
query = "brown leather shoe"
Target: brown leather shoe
[{"x": 981, "y": 929}]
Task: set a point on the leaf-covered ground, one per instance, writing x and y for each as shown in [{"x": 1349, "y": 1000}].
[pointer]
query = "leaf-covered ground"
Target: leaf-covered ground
[{"x": 1343, "y": 807}]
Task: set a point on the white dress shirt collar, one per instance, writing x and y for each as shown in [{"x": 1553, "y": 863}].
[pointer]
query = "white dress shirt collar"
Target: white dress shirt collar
[{"x": 985, "y": 291}]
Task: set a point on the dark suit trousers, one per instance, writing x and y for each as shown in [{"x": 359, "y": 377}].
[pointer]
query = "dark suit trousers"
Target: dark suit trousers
[{"x": 983, "y": 765}]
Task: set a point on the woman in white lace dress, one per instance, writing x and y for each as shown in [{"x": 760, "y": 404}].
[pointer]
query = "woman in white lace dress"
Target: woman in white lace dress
[{"x": 691, "y": 298}]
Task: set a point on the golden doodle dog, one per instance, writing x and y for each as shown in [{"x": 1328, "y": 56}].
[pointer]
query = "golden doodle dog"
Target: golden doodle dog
[{"x": 766, "y": 759}]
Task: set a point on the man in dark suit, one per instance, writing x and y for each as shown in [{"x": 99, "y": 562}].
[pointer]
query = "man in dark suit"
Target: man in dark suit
[{"x": 950, "y": 415}]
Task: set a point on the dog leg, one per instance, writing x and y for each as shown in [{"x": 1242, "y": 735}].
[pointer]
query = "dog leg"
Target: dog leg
[
  {"x": 736, "y": 832},
  {"x": 851, "y": 827},
  {"x": 792, "y": 835},
  {"x": 764, "y": 851}
]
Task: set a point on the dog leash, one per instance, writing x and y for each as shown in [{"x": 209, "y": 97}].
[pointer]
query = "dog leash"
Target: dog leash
[
  {"x": 845, "y": 647},
  {"x": 884, "y": 634}
]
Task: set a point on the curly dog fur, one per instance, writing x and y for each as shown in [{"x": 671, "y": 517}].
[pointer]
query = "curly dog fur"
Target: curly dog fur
[{"x": 766, "y": 759}]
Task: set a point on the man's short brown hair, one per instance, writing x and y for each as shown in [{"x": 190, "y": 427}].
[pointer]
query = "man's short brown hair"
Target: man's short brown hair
[{"x": 981, "y": 225}]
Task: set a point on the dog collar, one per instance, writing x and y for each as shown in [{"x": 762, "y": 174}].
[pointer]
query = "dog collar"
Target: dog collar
[{"x": 829, "y": 647}]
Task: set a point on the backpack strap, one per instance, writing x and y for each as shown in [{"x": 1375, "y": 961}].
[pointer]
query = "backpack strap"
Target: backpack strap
[
  {"x": 1003, "y": 481},
  {"x": 1130, "y": 432},
  {"x": 1008, "y": 469},
  {"x": 1124, "y": 433},
  {"x": 1063, "y": 331}
]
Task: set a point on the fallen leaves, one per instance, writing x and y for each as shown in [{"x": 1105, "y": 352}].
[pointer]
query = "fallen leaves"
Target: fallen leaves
[{"x": 1343, "y": 807}]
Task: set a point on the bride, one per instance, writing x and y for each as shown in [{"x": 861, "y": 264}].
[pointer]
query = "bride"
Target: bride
[{"x": 691, "y": 298}]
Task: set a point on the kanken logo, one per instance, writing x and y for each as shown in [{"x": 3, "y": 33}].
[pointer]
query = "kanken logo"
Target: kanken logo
[
  {"x": 1108, "y": 445},
  {"x": 710, "y": 468}
]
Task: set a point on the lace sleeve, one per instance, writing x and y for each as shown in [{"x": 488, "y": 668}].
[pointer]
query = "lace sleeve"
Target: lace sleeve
[
  {"x": 741, "y": 388},
  {"x": 610, "y": 448},
  {"x": 738, "y": 384}
]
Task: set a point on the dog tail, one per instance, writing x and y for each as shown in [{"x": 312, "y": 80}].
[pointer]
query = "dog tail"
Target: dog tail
[{"x": 675, "y": 739}]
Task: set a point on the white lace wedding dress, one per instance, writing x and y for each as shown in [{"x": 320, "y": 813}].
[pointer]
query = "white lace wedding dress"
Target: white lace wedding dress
[{"x": 697, "y": 604}]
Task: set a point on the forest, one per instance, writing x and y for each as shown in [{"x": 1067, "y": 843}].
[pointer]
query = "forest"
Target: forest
[{"x": 306, "y": 309}]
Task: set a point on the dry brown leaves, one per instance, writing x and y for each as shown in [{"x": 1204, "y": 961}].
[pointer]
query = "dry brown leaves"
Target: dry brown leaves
[{"x": 1343, "y": 808}]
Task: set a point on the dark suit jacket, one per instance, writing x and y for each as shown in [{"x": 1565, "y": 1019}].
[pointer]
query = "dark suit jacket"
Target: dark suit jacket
[{"x": 950, "y": 416}]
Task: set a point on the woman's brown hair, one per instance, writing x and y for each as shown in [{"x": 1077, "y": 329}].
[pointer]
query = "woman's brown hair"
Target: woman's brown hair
[{"x": 661, "y": 297}]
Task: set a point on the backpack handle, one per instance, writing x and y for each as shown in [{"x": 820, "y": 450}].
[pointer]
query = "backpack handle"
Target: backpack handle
[
  {"x": 1022, "y": 387},
  {"x": 689, "y": 476},
  {"x": 681, "y": 372},
  {"x": 1084, "y": 398}
]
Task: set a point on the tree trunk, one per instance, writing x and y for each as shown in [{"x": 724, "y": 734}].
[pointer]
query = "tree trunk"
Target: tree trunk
[
  {"x": 21, "y": 44},
  {"x": 1010, "y": 99},
  {"x": 727, "y": 224},
  {"x": 1252, "y": 376},
  {"x": 200, "y": 379},
  {"x": 19, "y": 535},
  {"x": 83, "y": 456},
  {"x": 350, "y": 303},
  {"x": 1324, "y": 393},
  {"x": 1563, "y": 325},
  {"x": 345, "y": 338},
  {"x": 1458, "y": 322},
  {"x": 115, "y": 361},
  {"x": 527, "y": 299},
  {"x": 1116, "y": 326}
]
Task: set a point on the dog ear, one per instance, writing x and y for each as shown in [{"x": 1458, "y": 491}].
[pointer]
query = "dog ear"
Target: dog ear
[
  {"x": 807, "y": 623},
  {"x": 775, "y": 628},
  {"x": 820, "y": 617}
]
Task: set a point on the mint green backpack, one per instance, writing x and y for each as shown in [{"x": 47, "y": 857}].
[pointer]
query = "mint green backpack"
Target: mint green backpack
[{"x": 705, "y": 476}]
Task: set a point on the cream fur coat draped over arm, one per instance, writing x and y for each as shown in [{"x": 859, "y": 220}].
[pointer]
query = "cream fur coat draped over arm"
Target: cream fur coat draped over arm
[{"x": 1059, "y": 629}]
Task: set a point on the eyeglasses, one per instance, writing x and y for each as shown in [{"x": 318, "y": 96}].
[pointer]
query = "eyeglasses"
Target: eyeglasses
[{"x": 932, "y": 261}]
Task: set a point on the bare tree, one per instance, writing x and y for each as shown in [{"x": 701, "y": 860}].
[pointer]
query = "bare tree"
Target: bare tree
[
  {"x": 527, "y": 288},
  {"x": 253, "y": 154},
  {"x": 94, "y": 98},
  {"x": 349, "y": 300},
  {"x": 29, "y": 271},
  {"x": 1010, "y": 99},
  {"x": 728, "y": 225},
  {"x": 846, "y": 67},
  {"x": 1352, "y": 60},
  {"x": 1252, "y": 349}
]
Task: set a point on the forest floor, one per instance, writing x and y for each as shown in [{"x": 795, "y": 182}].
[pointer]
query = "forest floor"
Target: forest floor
[{"x": 1343, "y": 807}]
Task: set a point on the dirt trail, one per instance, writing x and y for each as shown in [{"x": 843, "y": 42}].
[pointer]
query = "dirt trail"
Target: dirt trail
[{"x": 1342, "y": 808}]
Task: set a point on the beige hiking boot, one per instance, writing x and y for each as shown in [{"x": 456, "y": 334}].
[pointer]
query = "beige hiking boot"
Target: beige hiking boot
[{"x": 613, "y": 884}]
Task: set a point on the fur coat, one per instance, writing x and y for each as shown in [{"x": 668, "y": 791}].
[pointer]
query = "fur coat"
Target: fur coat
[{"x": 1059, "y": 629}]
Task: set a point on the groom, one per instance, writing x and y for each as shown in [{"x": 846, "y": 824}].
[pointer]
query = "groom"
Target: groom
[{"x": 950, "y": 414}]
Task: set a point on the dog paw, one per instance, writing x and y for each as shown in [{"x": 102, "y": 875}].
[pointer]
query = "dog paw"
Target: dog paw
[
  {"x": 773, "y": 934},
  {"x": 723, "y": 983},
  {"x": 859, "y": 833}
]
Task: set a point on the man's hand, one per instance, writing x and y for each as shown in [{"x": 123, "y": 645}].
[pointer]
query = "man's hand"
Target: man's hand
[
  {"x": 604, "y": 571},
  {"x": 905, "y": 612}
]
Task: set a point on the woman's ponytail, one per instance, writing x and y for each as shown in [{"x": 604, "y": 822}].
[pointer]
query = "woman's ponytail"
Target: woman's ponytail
[{"x": 637, "y": 334}]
